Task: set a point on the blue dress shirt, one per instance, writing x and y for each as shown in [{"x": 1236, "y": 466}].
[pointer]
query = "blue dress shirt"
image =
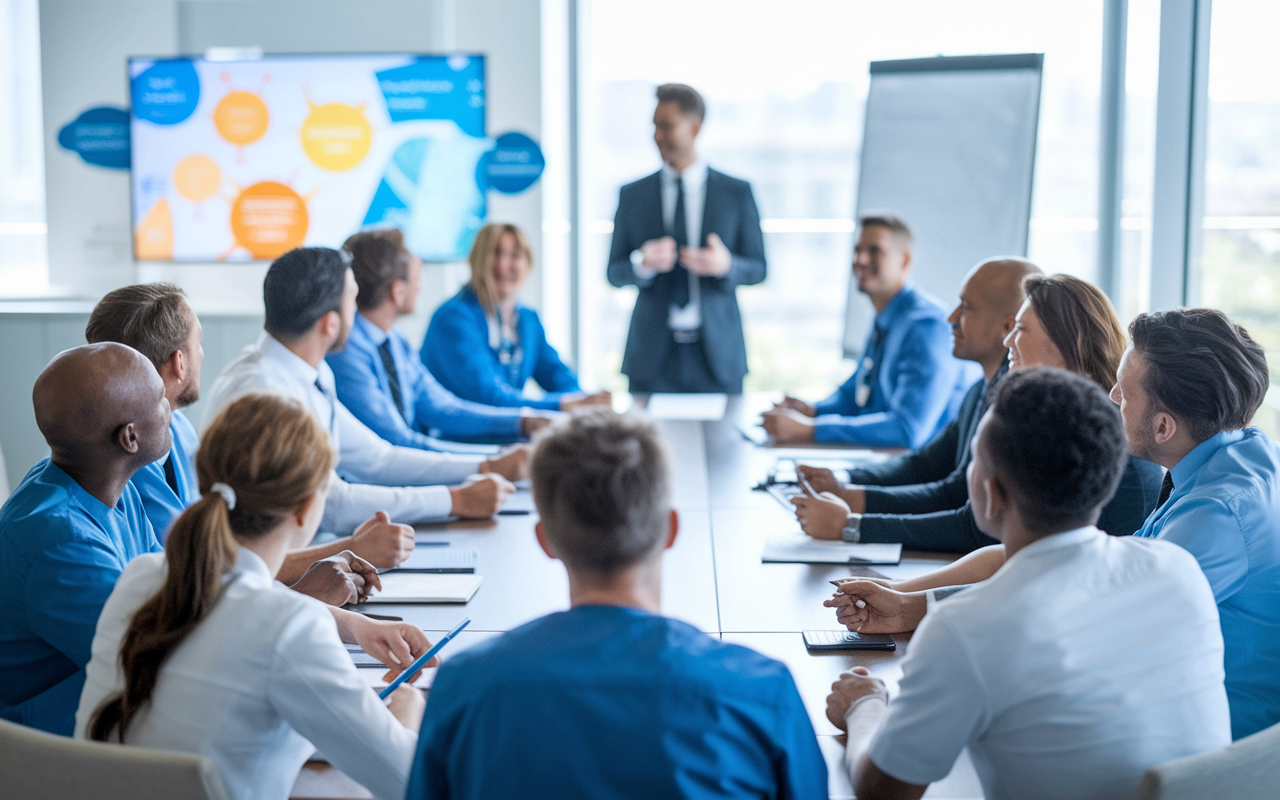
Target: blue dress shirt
[
  {"x": 909, "y": 384},
  {"x": 603, "y": 701},
  {"x": 61, "y": 551},
  {"x": 361, "y": 380},
  {"x": 161, "y": 504},
  {"x": 458, "y": 352},
  {"x": 1225, "y": 509}
]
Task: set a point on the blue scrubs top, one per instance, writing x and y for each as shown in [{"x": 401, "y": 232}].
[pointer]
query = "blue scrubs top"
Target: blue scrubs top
[
  {"x": 458, "y": 352},
  {"x": 908, "y": 385},
  {"x": 61, "y": 551},
  {"x": 426, "y": 408},
  {"x": 161, "y": 503},
  {"x": 603, "y": 701},
  {"x": 1225, "y": 509}
]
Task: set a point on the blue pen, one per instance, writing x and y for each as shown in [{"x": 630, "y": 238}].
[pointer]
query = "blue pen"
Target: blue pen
[{"x": 422, "y": 659}]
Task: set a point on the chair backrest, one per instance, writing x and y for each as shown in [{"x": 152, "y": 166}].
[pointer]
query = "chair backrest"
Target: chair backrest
[
  {"x": 35, "y": 765},
  {"x": 1248, "y": 769}
]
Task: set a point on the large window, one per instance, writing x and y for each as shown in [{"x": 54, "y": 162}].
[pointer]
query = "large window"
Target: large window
[
  {"x": 1238, "y": 269},
  {"x": 786, "y": 86},
  {"x": 22, "y": 221}
]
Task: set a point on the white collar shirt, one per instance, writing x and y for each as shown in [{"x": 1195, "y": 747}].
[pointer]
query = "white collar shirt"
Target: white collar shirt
[
  {"x": 375, "y": 475},
  {"x": 1084, "y": 661},
  {"x": 257, "y": 686},
  {"x": 694, "y": 181}
]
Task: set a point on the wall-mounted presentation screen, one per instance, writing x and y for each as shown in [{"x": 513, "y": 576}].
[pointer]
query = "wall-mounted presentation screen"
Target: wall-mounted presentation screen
[{"x": 244, "y": 160}]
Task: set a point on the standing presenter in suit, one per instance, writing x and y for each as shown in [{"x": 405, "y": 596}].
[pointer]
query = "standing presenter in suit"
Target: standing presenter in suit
[{"x": 687, "y": 236}]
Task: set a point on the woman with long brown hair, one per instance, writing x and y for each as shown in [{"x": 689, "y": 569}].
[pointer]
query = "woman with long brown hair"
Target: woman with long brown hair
[{"x": 199, "y": 650}]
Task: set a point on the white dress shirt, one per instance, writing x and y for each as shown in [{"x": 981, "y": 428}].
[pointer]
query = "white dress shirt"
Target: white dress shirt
[
  {"x": 254, "y": 686},
  {"x": 385, "y": 477},
  {"x": 1085, "y": 660},
  {"x": 694, "y": 179}
]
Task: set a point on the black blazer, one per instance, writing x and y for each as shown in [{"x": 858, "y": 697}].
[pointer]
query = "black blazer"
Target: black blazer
[{"x": 730, "y": 212}]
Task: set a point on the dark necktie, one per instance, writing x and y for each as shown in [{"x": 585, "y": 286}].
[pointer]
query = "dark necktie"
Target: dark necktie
[
  {"x": 171, "y": 477},
  {"x": 680, "y": 232},
  {"x": 333, "y": 406},
  {"x": 393, "y": 377},
  {"x": 1166, "y": 489},
  {"x": 871, "y": 363}
]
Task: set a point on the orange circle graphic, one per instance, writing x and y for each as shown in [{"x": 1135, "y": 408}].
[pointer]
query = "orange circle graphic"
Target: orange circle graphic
[{"x": 269, "y": 219}]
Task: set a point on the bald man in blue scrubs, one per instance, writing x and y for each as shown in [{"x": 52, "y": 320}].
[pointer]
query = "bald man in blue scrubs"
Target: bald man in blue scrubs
[{"x": 69, "y": 529}]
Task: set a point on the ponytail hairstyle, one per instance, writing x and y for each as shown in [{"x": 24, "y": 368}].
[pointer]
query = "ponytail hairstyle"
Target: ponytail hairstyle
[{"x": 274, "y": 456}]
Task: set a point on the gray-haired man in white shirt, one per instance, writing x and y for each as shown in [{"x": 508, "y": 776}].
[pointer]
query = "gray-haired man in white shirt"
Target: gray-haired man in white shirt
[
  {"x": 1084, "y": 661},
  {"x": 310, "y": 299}
]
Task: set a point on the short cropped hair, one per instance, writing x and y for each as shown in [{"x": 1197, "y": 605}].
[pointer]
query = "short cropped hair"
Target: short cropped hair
[
  {"x": 1081, "y": 323},
  {"x": 302, "y": 286},
  {"x": 1056, "y": 443},
  {"x": 602, "y": 485},
  {"x": 686, "y": 97},
  {"x": 887, "y": 219},
  {"x": 1202, "y": 368},
  {"x": 152, "y": 318},
  {"x": 378, "y": 259}
]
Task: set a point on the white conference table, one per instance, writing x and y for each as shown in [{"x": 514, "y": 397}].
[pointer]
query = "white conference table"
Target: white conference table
[{"x": 712, "y": 578}]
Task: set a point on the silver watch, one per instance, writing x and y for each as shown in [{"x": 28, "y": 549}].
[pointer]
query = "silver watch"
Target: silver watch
[
  {"x": 637, "y": 258},
  {"x": 852, "y": 531}
]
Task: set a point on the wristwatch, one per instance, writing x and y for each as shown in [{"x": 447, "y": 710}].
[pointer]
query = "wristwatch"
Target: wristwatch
[
  {"x": 637, "y": 258},
  {"x": 852, "y": 531}
]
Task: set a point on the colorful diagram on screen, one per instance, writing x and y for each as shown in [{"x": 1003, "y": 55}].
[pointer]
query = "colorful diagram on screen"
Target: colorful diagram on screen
[{"x": 244, "y": 160}]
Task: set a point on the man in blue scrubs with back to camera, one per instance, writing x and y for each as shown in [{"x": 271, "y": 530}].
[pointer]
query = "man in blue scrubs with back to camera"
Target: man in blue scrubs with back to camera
[
  {"x": 75, "y": 521},
  {"x": 609, "y": 698},
  {"x": 908, "y": 385}
]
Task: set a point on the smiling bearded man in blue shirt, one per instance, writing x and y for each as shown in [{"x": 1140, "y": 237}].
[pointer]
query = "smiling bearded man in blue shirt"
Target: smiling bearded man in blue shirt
[
  {"x": 69, "y": 529},
  {"x": 610, "y": 699},
  {"x": 379, "y": 376},
  {"x": 908, "y": 385},
  {"x": 1188, "y": 387}
]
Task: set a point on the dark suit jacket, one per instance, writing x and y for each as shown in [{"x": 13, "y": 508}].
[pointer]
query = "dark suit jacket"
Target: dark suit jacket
[
  {"x": 956, "y": 530},
  {"x": 730, "y": 212},
  {"x": 933, "y": 478}
]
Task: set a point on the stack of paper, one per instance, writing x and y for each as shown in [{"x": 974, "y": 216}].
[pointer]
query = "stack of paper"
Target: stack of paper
[
  {"x": 421, "y": 587},
  {"x": 797, "y": 548}
]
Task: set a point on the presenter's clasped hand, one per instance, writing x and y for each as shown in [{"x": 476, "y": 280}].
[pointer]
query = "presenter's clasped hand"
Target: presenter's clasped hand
[
  {"x": 339, "y": 579},
  {"x": 787, "y": 425},
  {"x": 868, "y": 606},
  {"x": 711, "y": 261},
  {"x": 659, "y": 254},
  {"x": 381, "y": 542},
  {"x": 822, "y": 517},
  {"x": 480, "y": 498},
  {"x": 512, "y": 463}
]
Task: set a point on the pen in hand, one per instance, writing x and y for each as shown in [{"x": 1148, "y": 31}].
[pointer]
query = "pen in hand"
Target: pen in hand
[{"x": 838, "y": 584}]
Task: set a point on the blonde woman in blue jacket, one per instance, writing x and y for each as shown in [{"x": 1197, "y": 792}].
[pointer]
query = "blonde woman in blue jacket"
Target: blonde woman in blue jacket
[{"x": 484, "y": 345}]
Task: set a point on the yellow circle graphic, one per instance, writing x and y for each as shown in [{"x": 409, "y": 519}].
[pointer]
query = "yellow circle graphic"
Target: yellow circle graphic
[
  {"x": 197, "y": 177},
  {"x": 241, "y": 118},
  {"x": 336, "y": 136}
]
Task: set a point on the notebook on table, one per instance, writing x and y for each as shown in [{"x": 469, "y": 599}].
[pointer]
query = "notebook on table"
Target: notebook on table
[
  {"x": 426, "y": 587},
  {"x": 797, "y": 548},
  {"x": 428, "y": 558}
]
